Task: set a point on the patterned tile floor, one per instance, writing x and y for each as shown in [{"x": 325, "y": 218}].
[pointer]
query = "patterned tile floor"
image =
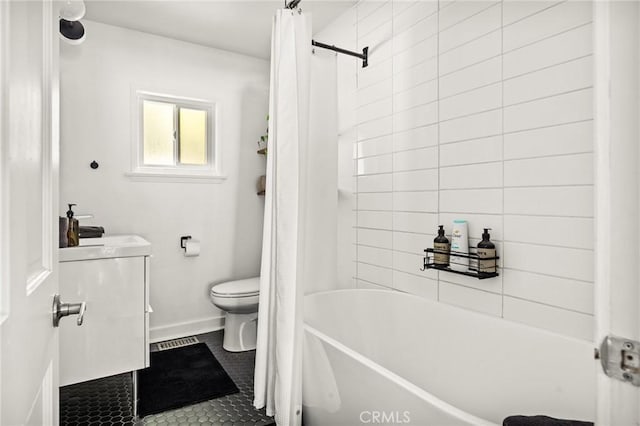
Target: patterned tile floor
[{"x": 107, "y": 402}]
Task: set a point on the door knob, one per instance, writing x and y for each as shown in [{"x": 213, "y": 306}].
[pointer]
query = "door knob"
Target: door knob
[{"x": 65, "y": 309}]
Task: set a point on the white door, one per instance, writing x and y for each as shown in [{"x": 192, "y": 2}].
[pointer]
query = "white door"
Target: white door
[
  {"x": 617, "y": 88},
  {"x": 28, "y": 213}
]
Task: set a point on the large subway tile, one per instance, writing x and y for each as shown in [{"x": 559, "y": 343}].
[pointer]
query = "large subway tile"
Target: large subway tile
[
  {"x": 366, "y": 285},
  {"x": 572, "y": 232},
  {"x": 460, "y": 11},
  {"x": 375, "y": 220},
  {"x": 570, "y": 138},
  {"x": 404, "y": 37},
  {"x": 375, "y": 73},
  {"x": 471, "y": 29},
  {"x": 416, "y": 54},
  {"x": 415, "y": 75},
  {"x": 549, "y": 22},
  {"x": 554, "y": 50},
  {"x": 374, "y": 165},
  {"x": 375, "y": 256},
  {"x": 418, "y": 95},
  {"x": 407, "y": 262},
  {"x": 375, "y": 40},
  {"x": 374, "y": 129},
  {"x": 471, "y": 102},
  {"x": 412, "y": 243},
  {"x": 560, "y": 292},
  {"x": 375, "y": 274},
  {"x": 476, "y": 223},
  {"x": 557, "y": 261},
  {"x": 378, "y": 53},
  {"x": 375, "y": 201},
  {"x": 565, "y": 77},
  {"x": 401, "y": 6},
  {"x": 422, "y": 223},
  {"x": 419, "y": 180},
  {"x": 375, "y": 19},
  {"x": 415, "y": 284},
  {"x": 420, "y": 137},
  {"x": 375, "y": 183},
  {"x": 377, "y": 146},
  {"x": 558, "y": 320},
  {"x": 485, "y": 47},
  {"x": 562, "y": 170},
  {"x": 366, "y": 7},
  {"x": 375, "y": 92},
  {"x": 425, "y": 158},
  {"x": 554, "y": 201},
  {"x": 478, "y": 75},
  {"x": 375, "y": 237},
  {"x": 487, "y": 175},
  {"x": 470, "y": 298},
  {"x": 415, "y": 14},
  {"x": 471, "y": 201},
  {"x": 375, "y": 111},
  {"x": 415, "y": 117},
  {"x": 473, "y": 151},
  {"x": 493, "y": 285},
  {"x": 516, "y": 10},
  {"x": 415, "y": 201},
  {"x": 471, "y": 127},
  {"x": 565, "y": 108}
]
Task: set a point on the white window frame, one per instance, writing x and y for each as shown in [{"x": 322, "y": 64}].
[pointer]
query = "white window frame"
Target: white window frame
[{"x": 211, "y": 171}]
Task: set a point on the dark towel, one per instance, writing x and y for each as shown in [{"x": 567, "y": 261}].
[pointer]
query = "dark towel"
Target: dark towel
[
  {"x": 541, "y": 421},
  {"x": 90, "y": 231}
]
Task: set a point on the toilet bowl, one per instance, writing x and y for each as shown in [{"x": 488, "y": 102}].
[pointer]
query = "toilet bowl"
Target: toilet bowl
[{"x": 239, "y": 300}]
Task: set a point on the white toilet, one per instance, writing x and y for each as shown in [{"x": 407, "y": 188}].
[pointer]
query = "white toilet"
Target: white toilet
[{"x": 239, "y": 299}]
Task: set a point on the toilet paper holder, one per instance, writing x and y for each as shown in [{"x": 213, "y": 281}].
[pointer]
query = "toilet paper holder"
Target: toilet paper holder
[{"x": 183, "y": 241}]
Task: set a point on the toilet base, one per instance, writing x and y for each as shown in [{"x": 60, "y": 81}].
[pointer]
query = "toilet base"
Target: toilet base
[{"x": 240, "y": 332}]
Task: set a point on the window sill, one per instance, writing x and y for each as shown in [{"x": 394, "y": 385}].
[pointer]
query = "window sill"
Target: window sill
[{"x": 145, "y": 176}]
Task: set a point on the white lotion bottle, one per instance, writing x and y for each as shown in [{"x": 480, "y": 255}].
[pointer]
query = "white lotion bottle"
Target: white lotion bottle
[{"x": 460, "y": 244}]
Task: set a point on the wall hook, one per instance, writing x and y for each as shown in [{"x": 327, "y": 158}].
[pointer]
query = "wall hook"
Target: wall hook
[
  {"x": 94, "y": 165},
  {"x": 183, "y": 241}
]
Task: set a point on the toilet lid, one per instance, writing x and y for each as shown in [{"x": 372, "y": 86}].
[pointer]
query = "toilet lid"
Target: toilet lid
[{"x": 247, "y": 287}]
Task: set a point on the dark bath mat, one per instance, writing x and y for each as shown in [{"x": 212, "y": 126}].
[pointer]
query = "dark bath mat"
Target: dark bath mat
[{"x": 179, "y": 377}]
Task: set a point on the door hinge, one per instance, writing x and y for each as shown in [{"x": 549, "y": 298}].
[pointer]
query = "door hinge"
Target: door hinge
[{"x": 620, "y": 359}]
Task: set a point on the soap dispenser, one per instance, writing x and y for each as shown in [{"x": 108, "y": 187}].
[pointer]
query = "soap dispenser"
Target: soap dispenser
[
  {"x": 486, "y": 250},
  {"x": 441, "y": 248},
  {"x": 72, "y": 231}
]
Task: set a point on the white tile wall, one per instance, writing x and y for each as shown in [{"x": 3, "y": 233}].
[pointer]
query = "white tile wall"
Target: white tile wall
[{"x": 479, "y": 110}]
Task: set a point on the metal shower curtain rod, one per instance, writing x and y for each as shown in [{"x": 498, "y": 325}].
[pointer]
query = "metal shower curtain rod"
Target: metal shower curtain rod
[
  {"x": 365, "y": 51},
  {"x": 364, "y": 55}
]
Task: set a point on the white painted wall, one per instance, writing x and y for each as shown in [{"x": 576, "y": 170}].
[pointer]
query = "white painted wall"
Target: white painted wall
[
  {"x": 477, "y": 110},
  {"x": 97, "y": 79}
]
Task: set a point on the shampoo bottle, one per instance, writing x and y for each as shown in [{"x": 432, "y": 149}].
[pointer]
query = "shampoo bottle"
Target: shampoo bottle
[
  {"x": 441, "y": 247},
  {"x": 486, "y": 250},
  {"x": 72, "y": 231},
  {"x": 459, "y": 244}
]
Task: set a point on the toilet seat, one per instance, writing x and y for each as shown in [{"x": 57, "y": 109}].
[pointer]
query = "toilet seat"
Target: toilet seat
[{"x": 249, "y": 287}]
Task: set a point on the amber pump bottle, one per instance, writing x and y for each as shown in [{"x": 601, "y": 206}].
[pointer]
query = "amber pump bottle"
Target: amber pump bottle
[
  {"x": 486, "y": 250},
  {"x": 441, "y": 246},
  {"x": 72, "y": 231}
]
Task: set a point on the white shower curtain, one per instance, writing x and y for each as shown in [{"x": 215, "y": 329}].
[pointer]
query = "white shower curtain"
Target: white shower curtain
[{"x": 295, "y": 172}]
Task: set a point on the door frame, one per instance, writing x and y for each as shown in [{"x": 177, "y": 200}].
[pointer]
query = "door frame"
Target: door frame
[{"x": 617, "y": 194}]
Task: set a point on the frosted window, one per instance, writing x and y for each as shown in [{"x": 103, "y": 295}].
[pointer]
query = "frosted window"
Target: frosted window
[
  {"x": 158, "y": 133},
  {"x": 192, "y": 136}
]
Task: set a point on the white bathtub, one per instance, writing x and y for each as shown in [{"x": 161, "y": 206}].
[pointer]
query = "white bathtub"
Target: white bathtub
[{"x": 383, "y": 357}]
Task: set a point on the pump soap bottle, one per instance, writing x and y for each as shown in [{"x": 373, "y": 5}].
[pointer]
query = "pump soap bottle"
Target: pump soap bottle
[
  {"x": 72, "y": 231},
  {"x": 441, "y": 248},
  {"x": 486, "y": 250}
]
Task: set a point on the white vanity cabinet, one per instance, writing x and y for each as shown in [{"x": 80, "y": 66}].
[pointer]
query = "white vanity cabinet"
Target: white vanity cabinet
[{"x": 111, "y": 275}]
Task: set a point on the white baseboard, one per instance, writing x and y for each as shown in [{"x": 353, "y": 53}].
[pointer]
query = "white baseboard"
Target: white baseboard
[{"x": 183, "y": 329}]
